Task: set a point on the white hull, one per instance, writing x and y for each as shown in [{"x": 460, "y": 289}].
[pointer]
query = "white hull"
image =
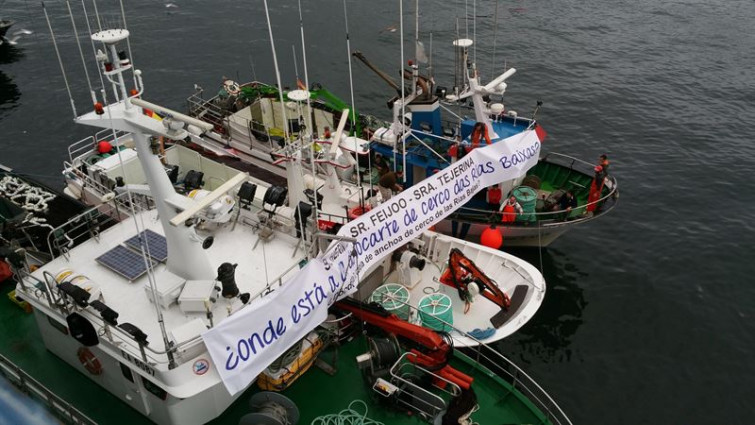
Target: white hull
[{"x": 198, "y": 409}]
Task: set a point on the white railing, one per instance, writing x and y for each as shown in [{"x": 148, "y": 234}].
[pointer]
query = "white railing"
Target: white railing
[{"x": 61, "y": 408}]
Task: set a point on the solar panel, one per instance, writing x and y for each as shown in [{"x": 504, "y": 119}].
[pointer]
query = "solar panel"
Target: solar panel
[
  {"x": 156, "y": 246},
  {"x": 125, "y": 262}
]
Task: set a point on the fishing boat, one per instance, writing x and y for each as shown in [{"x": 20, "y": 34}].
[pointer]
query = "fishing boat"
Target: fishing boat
[
  {"x": 179, "y": 307},
  {"x": 29, "y": 210},
  {"x": 249, "y": 124},
  {"x": 103, "y": 169}
]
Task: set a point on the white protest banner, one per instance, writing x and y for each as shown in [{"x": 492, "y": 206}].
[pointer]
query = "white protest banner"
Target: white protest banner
[
  {"x": 406, "y": 215},
  {"x": 244, "y": 345}
]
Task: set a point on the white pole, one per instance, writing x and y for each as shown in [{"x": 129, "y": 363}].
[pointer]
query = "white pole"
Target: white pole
[
  {"x": 403, "y": 95},
  {"x": 277, "y": 74},
  {"x": 353, "y": 113},
  {"x": 310, "y": 127}
]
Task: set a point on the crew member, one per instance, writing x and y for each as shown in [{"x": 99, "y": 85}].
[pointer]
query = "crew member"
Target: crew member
[
  {"x": 480, "y": 130},
  {"x": 603, "y": 162},
  {"x": 510, "y": 209},
  {"x": 493, "y": 197},
  {"x": 389, "y": 182},
  {"x": 596, "y": 188}
]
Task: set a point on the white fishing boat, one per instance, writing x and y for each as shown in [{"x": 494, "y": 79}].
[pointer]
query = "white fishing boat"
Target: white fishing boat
[
  {"x": 512, "y": 289},
  {"x": 144, "y": 309}
]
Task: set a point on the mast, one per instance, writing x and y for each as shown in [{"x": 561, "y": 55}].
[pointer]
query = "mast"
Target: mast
[{"x": 185, "y": 255}]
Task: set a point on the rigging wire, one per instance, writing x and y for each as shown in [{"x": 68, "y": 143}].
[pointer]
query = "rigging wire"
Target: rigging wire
[
  {"x": 81, "y": 52},
  {"x": 251, "y": 62},
  {"x": 94, "y": 51},
  {"x": 96, "y": 14},
  {"x": 128, "y": 43},
  {"x": 60, "y": 61}
]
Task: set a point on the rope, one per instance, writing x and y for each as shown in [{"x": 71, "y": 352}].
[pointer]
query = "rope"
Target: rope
[
  {"x": 348, "y": 416},
  {"x": 31, "y": 198},
  {"x": 435, "y": 312},
  {"x": 285, "y": 359},
  {"x": 394, "y": 298},
  {"x": 275, "y": 411}
]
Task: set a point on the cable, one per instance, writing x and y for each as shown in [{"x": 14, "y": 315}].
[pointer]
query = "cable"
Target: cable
[{"x": 348, "y": 416}]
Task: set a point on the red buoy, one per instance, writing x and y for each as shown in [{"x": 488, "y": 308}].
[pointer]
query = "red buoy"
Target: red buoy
[
  {"x": 104, "y": 146},
  {"x": 491, "y": 237}
]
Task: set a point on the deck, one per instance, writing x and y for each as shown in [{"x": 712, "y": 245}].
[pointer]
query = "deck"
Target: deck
[{"x": 316, "y": 393}]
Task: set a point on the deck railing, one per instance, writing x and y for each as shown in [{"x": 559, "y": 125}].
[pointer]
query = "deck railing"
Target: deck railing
[
  {"x": 89, "y": 223},
  {"x": 30, "y": 386},
  {"x": 497, "y": 365},
  {"x": 549, "y": 217}
]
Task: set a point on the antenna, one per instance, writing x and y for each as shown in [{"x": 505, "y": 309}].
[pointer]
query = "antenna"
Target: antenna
[
  {"x": 310, "y": 126},
  {"x": 353, "y": 108},
  {"x": 474, "y": 32},
  {"x": 296, "y": 66},
  {"x": 495, "y": 38},
  {"x": 277, "y": 74},
  {"x": 403, "y": 92}
]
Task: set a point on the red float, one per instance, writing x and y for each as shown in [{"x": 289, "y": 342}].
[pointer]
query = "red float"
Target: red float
[{"x": 492, "y": 238}]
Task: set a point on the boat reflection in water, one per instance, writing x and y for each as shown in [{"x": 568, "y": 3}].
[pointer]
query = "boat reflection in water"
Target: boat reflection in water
[
  {"x": 9, "y": 93},
  {"x": 548, "y": 336}
]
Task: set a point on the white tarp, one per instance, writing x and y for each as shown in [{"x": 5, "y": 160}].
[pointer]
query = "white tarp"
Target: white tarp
[{"x": 244, "y": 345}]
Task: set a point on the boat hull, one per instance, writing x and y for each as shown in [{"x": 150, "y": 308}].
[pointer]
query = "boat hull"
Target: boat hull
[
  {"x": 128, "y": 382},
  {"x": 513, "y": 236}
]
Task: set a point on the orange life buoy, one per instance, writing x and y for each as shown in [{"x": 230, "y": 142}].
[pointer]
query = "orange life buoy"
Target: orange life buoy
[{"x": 90, "y": 362}]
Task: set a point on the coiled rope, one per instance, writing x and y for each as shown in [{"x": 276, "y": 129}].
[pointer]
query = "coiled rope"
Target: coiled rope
[
  {"x": 31, "y": 198},
  {"x": 348, "y": 416}
]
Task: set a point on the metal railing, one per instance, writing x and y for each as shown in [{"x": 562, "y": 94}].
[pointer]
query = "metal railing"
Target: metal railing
[
  {"x": 89, "y": 223},
  {"x": 80, "y": 149},
  {"x": 468, "y": 214},
  {"x": 30, "y": 386},
  {"x": 496, "y": 365}
]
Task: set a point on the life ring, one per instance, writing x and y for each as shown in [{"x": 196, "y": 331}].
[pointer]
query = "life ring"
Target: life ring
[
  {"x": 90, "y": 362},
  {"x": 231, "y": 87}
]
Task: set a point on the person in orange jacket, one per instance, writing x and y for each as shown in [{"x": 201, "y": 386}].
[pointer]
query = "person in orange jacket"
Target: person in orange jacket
[
  {"x": 480, "y": 130},
  {"x": 510, "y": 209}
]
